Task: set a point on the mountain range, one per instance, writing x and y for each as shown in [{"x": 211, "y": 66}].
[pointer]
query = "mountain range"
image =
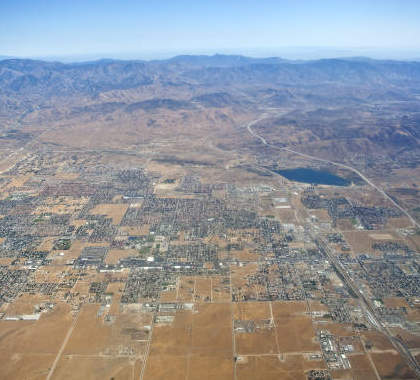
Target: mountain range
[{"x": 356, "y": 108}]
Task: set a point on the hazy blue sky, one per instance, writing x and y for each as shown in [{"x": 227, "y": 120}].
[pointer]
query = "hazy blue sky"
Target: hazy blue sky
[{"x": 152, "y": 27}]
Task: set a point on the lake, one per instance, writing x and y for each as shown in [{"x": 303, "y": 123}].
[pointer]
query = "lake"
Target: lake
[{"x": 319, "y": 177}]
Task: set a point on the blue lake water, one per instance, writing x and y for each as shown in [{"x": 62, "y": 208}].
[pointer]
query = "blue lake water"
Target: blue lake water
[{"x": 319, "y": 177}]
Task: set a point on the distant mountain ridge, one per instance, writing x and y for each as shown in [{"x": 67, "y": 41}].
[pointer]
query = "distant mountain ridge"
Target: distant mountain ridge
[
  {"x": 185, "y": 82},
  {"x": 31, "y": 77}
]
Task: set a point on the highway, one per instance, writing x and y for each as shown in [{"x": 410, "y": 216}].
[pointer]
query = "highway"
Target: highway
[
  {"x": 324, "y": 248},
  {"x": 369, "y": 308}
]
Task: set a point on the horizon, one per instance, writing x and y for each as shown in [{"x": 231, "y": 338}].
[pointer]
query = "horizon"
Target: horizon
[
  {"x": 301, "y": 54},
  {"x": 54, "y": 30}
]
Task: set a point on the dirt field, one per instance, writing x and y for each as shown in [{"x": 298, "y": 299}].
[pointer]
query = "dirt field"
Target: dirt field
[
  {"x": 46, "y": 244},
  {"x": 114, "y": 255},
  {"x": 414, "y": 241},
  {"x": 395, "y": 302},
  {"x": 273, "y": 368},
  {"x": 239, "y": 280},
  {"x": 296, "y": 334},
  {"x": 262, "y": 341},
  {"x": 345, "y": 225},
  {"x": 294, "y": 329},
  {"x": 402, "y": 222},
  {"x": 244, "y": 255},
  {"x": 413, "y": 314},
  {"x": 166, "y": 367},
  {"x": 288, "y": 308},
  {"x": 114, "y": 211},
  {"x": 142, "y": 230},
  {"x": 5, "y": 260},
  {"x": 28, "y": 366},
  {"x": 66, "y": 176},
  {"x": 107, "y": 339},
  {"x": 410, "y": 339},
  {"x": 317, "y": 306},
  {"x": 18, "y": 181},
  {"x": 37, "y": 337},
  {"x": 171, "y": 340},
  {"x": 97, "y": 368},
  {"x": 285, "y": 215},
  {"x": 342, "y": 374},
  {"x": 322, "y": 215},
  {"x": 221, "y": 289},
  {"x": 378, "y": 340},
  {"x": 61, "y": 205},
  {"x": 25, "y": 304},
  {"x": 203, "y": 289},
  {"x": 391, "y": 365},
  {"x": 212, "y": 341},
  {"x": 339, "y": 329},
  {"x": 383, "y": 236},
  {"x": 168, "y": 296},
  {"x": 202, "y": 366},
  {"x": 191, "y": 345},
  {"x": 213, "y": 315},
  {"x": 81, "y": 287},
  {"x": 362, "y": 241},
  {"x": 186, "y": 289},
  {"x": 54, "y": 274},
  {"x": 251, "y": 310},
  {"x": 361, "y": 368}
]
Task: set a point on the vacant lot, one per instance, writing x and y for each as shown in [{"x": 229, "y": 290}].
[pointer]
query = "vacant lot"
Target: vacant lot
[
  {"x": 25, "y": 304},
  {"x": 38, "y": 337},
  {"x": 97, "y": 368},
  {"x": 288, "y": 308},
  {"x": 377, "y": 340},
  {"x": 215, "y": 314},
  {"x": 361, "y": 368},
  {"x": 186, "y": 289},
  {"x": 274, "y": 368},
  {"x": 220, "y": 289},
  {"x": 202, "y": 366},
  {"x": 166, "y": 367},
  {"x": 251, "y": 310},
  {"x": 61, "y": 205},
  {"x": 113, "y": 211},
  {"x": 410, "y": 339},
  {"x": 396, "y": 302},
  {"x": 31, "y": 366},
  {"x": 360, "y": 241},
  {"x": 212, "y": 341},
  {"x": 203, "y": 289},
  {"x": 261, "y": 341},
  {"x": 198, "y": 343},
  {"x": 296, "y": 334},
  {"x": 115, "y": 338},
  {"x": 114, "y": 255},
  {"x": 392, "y": 366}
]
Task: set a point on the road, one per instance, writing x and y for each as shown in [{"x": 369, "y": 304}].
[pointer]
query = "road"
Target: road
[
  {"x": 63, "y": 346},
  {"x": 148, "y": 344}
]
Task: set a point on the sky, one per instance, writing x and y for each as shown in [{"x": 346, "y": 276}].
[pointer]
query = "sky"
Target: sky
[{"x": 158, "y": 28}]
